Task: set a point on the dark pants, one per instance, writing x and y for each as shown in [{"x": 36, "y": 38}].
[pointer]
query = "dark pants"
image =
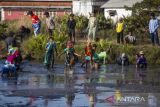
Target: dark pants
[
  {"x": 154, "y": 38},
  {"x": 72, "y": 34},
  {"x": 50, "y": 31},
  {"x": 120, "y": 37}
]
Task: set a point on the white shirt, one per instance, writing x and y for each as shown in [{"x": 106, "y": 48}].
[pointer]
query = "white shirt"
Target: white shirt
[{"x": 50, "y": 23}]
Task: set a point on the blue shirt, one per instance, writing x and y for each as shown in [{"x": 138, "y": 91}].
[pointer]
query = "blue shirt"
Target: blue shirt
[
  {"x": 50, "y": 46},
  {"x": 141, "y": 60},
  {"x": 153, "y": 25}
]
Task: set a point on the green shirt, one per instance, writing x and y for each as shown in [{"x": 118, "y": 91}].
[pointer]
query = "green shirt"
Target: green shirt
[
  {"x": 95, "y": 57},
  {"x": 69, "y": 50}
]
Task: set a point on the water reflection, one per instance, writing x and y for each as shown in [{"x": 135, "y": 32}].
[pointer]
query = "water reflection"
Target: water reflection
[
  {"x": 152, "y": 100},
  {"x": 69, "y": 86},
  {"x": 140, "y": 75},
  {"x": 88, "y": 89}
]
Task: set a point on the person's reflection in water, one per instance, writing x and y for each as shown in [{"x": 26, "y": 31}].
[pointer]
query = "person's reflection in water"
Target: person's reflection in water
[
  {"x": 69, "y": 85},
  {"x": 50, "y": 80},
  {"x": 46, "y": 102},
  {"x": 10, "y": 81},
  {"x": 34, "y": 81},
  {"x": 90, "y": 89},
  {"x": 92, "y": 99},
  {"x": 140, "y": 74},
  {"x": 31, "y": 101}
]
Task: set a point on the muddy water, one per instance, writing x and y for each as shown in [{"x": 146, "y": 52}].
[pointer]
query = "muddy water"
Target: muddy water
[{"x": 110, "y": 86}]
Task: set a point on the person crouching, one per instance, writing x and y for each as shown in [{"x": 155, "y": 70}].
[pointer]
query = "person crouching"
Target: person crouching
[
  {"x": 123, "y": 60},
  {"x": 141, "y": 60},
  {"x": 9, "y": 68}
]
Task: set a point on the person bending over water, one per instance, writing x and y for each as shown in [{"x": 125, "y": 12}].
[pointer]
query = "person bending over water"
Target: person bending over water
[
  {"x": 123, "y": 60},
  {"x": 141, "y": 60},
  {"x": 12, "y": 62}
]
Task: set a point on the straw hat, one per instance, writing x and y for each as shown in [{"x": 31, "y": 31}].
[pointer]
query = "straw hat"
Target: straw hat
[{"x": 141, "y": 53}]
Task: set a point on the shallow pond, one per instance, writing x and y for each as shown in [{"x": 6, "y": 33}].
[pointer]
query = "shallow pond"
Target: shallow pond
[{"x": 110, "y": 86}]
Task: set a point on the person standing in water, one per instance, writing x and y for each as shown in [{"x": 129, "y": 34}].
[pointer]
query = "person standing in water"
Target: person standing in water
[{"x": 49, "y": 55}]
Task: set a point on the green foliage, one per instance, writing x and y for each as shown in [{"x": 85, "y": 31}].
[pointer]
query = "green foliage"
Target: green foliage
[
  {"x": 61, "y": 23},
  {"x": 36, "y": 46},
  {"x": 81, "y": 23},
  {"x": 109, "y": 34},
  {"x": 3, "y": 27},
  {"x": 15, "y": 25},
  {"x": 103, "y": 22},
  {"x": 136, "y": 23}
]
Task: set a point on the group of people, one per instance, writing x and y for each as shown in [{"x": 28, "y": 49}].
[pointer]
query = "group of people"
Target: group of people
[
  {"x": 92, "y": 28},
  {"x": 130, "y": 39},
  {"x": 71, "y": 25},
  {"x": 141, "y": 61},
  {"x": 91, "y": 57}
]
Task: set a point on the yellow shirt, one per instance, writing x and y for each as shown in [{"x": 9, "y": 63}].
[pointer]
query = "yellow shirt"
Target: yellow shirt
[{"x": 119, "y": 27}]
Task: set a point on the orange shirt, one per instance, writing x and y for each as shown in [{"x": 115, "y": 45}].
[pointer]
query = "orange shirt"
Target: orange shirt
[{"x": 88, "y": 51}]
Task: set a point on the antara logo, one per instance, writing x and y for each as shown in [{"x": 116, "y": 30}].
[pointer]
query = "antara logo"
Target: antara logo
[
  {"x": 118, "y": 98},
  {"x": 132, "y": 99}
]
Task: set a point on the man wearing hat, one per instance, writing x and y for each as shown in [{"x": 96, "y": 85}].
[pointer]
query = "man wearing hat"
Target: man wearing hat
[
  {"x": 141, "y": 60},
  {"x": 92, "y": 27},
  {"x": 153, "y": 29},
  {"x": 50, "y": 23},
  {"x": 36, "y": 23}
]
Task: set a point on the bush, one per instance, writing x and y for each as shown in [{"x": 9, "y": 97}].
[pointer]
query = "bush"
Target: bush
[
  {"x": 82, "y": 23},
  {"x": 104, "y": 23},
  {"x": 36, "y": 46}
]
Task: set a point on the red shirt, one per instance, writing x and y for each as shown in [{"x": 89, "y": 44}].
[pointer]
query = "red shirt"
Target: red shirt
[{"x": 35, "y": 19}]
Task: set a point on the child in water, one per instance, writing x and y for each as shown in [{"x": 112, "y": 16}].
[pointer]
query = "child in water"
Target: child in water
[
  {"x": 49, "y": 55},
  {"x": 95, "y": 57},
  {"x": 102, "y": 56},
  {"x": 141, "y": 60},
  {"x": 70, "y": 53},
  {"x": 88, "y": 53}
]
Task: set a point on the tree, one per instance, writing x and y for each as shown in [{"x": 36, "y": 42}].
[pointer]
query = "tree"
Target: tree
[{"x": 138, "y": 22}]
